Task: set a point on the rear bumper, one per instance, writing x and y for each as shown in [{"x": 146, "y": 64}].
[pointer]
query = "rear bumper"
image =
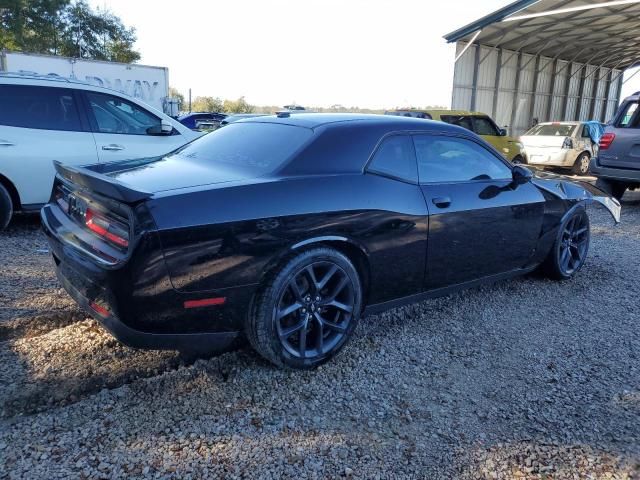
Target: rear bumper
[
  {"x": 554, "y": 158},
  {"x": 620, "y": 174},
  {"x": 123, "y": 309},
  {"x": 191, "y": 342}
]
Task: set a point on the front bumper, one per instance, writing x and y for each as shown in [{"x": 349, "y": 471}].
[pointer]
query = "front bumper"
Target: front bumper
[{"x": 620, "y": 174}]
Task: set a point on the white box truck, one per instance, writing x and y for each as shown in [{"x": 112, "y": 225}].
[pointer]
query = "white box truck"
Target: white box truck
[{"x": 146, "y": 83}]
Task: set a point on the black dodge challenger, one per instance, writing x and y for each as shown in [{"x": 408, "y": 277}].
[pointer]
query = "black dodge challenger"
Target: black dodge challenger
[{"x": 288, "y": 229}]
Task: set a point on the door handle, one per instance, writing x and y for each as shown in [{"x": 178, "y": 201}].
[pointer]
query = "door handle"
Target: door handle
[
  {"x": 441, "y": 202},
  {"x": 113, "y": 146},
  {"x": 5, "y": 143}
]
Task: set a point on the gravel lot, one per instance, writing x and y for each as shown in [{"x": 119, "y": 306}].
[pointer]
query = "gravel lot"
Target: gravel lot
[{"x": 522, "y": 379}]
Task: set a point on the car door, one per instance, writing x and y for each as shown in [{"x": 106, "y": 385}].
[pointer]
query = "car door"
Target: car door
[
  {"x": 38, "y": 125},
  {"x": 480, "y": 222},
  {"x": 124, "y": 129}
]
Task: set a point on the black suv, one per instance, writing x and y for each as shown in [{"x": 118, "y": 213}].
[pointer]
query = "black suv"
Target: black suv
[{"x": 617, "y": 165}]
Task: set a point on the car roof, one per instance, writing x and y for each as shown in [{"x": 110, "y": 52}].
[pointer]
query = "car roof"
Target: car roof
[
  {"x": 315, "y": 120},
  {"x": 37, "y": 80}
]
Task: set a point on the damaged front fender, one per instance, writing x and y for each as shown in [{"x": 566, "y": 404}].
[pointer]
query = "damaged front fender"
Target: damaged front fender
[{"x": 578, "y": 191}]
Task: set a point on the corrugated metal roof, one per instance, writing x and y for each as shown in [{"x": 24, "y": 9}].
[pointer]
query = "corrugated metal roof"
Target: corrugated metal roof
[{"x": 601, "y": 33}]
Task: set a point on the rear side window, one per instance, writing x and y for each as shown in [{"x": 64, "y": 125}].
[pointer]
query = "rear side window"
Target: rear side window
[
  {"x": 46, "y": 108},
  {"x": 484, "y": 126},
  {"x": 395, "y": 157},
  {"x": 449, "y": 159},
  {"x": 630, "y": 116},
  {"x": 251, "y": 149},
  {"x": 115, "y": 115},
  {"x": 459, "y": 120}
]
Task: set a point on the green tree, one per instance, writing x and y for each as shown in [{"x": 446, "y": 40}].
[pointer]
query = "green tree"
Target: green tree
[
  {"x": 62, "y": 27},
  {"x": 205, "y": 104},
  {"x": 238, "y": 106}
]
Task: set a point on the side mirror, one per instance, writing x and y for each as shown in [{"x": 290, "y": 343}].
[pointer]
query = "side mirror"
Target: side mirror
[
  {"x": 164, "y": 128},
  {"x": 503, "y": 132},
  {"x": 521, "y": 175}
]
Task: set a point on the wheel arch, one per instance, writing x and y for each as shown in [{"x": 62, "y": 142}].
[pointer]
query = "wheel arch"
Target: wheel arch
[
  {"x": 356, "y": 253},
  {"x": 13, "y": 192}
]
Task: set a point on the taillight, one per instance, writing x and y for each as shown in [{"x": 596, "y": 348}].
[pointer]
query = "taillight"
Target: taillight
[
  {"x": 606, "y": 140},
  {"x": 568, "y": 143},
  {"x": 107, "y": 228}
]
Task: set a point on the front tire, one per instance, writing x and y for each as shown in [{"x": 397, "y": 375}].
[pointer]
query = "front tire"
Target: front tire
[
  {"x": 569, "y": 251},
  {"x": 6, "y": 208},
  {"x": 581, "y": 165},
  {"x": 307, "y": 310},
  {"x": 519, "y": 160},
  {"x": 613, "y": 188}
]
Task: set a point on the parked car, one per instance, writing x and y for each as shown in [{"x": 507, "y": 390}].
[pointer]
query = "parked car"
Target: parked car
[
  {"x": 560, "y": 144},
  {"x": 192, "y": 119},
  {"x": 290, "y": 228},
  {"x": 479, "y": 123},
  {"x": 617, "y": 165},
  {"x": 239, "y": 116},
  {"x": 44, "y": 119}
]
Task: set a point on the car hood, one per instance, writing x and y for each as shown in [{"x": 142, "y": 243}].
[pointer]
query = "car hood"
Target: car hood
[
  {"x": 159, "y": 174},
  {"x": 576, "y": 190}
]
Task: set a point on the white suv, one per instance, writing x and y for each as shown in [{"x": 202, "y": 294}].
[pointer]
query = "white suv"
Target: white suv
[{"x": 43, "y": 119}]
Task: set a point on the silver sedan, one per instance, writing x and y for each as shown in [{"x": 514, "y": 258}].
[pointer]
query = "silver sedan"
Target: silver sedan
[{"x": 560, "y": 144}]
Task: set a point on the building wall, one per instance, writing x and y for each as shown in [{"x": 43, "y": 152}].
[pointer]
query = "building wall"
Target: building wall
[{"x": 514, "y": 88}]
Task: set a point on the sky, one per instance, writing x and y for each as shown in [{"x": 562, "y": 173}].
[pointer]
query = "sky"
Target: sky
[{"x": 356, "y": 53}]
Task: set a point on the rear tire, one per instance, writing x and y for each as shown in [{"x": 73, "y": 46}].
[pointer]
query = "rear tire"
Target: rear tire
[
  {"x": 569, "y": 251},
  {"x": 6, "y": 208},
  {"x": 581, "y": 165},
  {"x": 613, "y": 188},
  {"x": 519, "y": 159},
  {"x": 307, "y": 310}
]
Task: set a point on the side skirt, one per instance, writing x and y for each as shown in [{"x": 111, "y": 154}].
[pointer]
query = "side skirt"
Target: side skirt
[{"x": 441, "y": 292}]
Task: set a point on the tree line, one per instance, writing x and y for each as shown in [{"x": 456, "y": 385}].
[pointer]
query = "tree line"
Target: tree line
[
  {"x": 65, "y": 27},
  {"x": 216, "y": 104}
]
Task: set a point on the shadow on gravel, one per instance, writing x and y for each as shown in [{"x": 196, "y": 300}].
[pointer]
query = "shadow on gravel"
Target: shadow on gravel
[
  {"x": 28, "y": 327},
  {"x": 76, "y": 359},
  {"x": 23, "y": 221}
]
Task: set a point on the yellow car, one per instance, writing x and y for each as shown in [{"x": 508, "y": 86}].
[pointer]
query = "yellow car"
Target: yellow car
[{"x": 478, "y": 123}]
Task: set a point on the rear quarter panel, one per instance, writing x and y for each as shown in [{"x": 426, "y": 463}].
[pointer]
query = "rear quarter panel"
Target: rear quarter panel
[{"x": 226, "y": 237}]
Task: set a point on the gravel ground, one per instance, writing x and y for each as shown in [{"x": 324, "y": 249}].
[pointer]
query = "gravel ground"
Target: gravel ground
[{"x": 522, "y": 379}]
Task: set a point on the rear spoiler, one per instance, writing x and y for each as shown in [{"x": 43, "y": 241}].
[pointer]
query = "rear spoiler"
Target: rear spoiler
[{"x": 99, "y": 183}]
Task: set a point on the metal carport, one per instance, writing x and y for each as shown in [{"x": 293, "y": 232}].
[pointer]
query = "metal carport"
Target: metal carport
[{"x": 548, "y": 60}]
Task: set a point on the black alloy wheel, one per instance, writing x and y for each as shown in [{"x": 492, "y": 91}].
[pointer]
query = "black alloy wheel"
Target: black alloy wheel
[
  {"x": 570, "y": 249},
  {"x": 307, "y": 310},
  {"x": 574, "y": 244},
  {"x": 314, "y": 310}
]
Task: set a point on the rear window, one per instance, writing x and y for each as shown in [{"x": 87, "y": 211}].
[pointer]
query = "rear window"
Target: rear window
[
  {"x": 552, "y": 130},
  {"x": 47, "y": 108},
  {"x": 629, "y": 117},
  {"x": 252, "y": 149}
]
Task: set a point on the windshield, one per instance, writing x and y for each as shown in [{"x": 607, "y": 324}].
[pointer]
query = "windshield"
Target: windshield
[
  {"x": 552, "y": 130},
  {"x": 252, "y": 149}
]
